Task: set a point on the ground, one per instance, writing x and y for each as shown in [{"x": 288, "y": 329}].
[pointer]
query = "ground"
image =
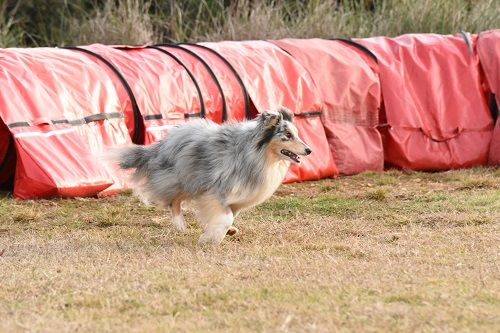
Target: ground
[{"x": 389, "y": 252}]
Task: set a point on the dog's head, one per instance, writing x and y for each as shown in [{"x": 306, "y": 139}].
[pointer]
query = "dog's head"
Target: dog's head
[{"x": 281, "y": 137}]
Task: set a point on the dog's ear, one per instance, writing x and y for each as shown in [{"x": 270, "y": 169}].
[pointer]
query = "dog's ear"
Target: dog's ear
[
  {"x": 286, "y": 114},
  {"x": 271, "y": 119}
]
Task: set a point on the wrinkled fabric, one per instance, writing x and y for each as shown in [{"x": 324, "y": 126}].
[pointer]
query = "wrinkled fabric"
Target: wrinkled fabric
[
  {"x": 165, "y": 93},
  {"x": 350, "y": 90},
  {"x": 238, "y": 109},
  {"x": 42, "y": 91},
  {"x": 422, "y": 104},
  {"x": 488, "y": 48},
  {"x": 213, "y": 95},
  {"x": 273, "y": 78},
  {"x": 434, "y": 101}
]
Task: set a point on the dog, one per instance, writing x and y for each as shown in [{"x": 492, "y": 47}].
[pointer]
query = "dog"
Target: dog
[{"x": 220, "y": 169}]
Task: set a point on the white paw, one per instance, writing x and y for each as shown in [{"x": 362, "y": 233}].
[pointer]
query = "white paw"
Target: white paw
[
  {"x": 179, "y": 223},
  {"x": 217, "y": 227},
  {"x": 212, "y": 237}
]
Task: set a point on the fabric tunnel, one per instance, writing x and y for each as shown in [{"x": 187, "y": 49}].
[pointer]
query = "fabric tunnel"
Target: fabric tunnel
[
  {"x": 165, "y": 91},
  {"x": 347, "y": 80},
  {"x": 435, "y": 107},
  {"x": 273, "y": 79},
  {"x": 488, "y": 48},
  {"x": 417, "y": 101},
  {"x": 235, "y": 94},
  {"x": 61, "y": 111}
]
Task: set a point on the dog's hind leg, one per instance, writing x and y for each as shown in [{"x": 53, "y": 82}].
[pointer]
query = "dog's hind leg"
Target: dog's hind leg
[
  {"x": 177, "y": 217},
  {"x": 216, "y": 220}
]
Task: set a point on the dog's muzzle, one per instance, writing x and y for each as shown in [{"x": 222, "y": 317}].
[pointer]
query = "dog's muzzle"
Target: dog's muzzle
[{"x": 294, "y": 157}]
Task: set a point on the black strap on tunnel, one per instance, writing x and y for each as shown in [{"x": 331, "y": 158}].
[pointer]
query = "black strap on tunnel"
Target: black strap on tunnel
[
  {"x": 358, "y": 46},
  {"x": 308, "y": 114},
  {"x": 196, "y": 85},
  {"x": 19, "y": 124},
  {"x": 210, "y": 72},
  {"x": 246, "y": 98},
  {"x": 73, "y": 122},
  {"x": 467, "y": 41},
  {"x": 138, "y": 134}
]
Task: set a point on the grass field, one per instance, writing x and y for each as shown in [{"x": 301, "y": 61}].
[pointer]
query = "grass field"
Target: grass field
[{"x": 392, "y": 251}]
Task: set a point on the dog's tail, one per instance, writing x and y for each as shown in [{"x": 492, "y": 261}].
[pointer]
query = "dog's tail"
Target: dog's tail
[{"x": 132, "y": 157}]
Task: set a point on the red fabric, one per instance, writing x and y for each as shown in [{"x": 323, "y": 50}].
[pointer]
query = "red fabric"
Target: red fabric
[
  {"x": 211, "y": 95},
  {"x": 350, "y": 91},
  {"x": 161, "y": 86},
  {"x": 435, "y": 104},
  {"x": 42, "y": 85},
  {"x": 233, "y": 93},
  {"x": 488, "y": 48},
  {"x": 273, "y": 79}
]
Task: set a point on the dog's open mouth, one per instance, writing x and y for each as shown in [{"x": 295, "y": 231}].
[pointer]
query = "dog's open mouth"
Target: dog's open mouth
[{"x": 294, "y": 157}]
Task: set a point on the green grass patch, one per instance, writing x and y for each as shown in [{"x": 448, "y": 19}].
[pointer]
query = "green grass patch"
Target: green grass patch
[
  {"x": 323, "y": 206},
  {"x": 377, "y": 195},
  {"x": 403, "y": 298}
]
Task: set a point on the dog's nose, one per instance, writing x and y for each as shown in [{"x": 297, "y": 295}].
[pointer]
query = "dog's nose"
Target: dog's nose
[{"x": 308, "y": 151}]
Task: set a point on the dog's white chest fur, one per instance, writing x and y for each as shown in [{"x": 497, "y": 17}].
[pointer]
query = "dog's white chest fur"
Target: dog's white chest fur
[{"x": 249, "y": 197}]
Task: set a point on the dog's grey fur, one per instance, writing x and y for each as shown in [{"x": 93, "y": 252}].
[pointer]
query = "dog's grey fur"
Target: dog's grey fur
[{"x": 208, "y": 162}]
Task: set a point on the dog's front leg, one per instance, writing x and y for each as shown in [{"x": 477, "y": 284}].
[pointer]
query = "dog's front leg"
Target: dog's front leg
[
  {"x": 216, "y": 220},
  {"x": 217, "y": 227}
]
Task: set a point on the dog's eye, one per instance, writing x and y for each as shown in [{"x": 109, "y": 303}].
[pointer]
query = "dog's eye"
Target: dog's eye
[{"x": 288, "y": 135}]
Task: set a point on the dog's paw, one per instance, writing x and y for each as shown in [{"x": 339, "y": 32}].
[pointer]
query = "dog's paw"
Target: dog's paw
[
  {"x": 232, "y": 231},
  {"x": 213, "y": 236},
  {"x": 179, "y": 223},
  {"x": 207, "y": 239}
]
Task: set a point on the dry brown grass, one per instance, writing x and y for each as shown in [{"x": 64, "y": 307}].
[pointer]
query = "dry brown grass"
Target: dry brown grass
[
  {"x": 374, "y": 252},
  {"x": 123, "y": 22},
  {"x": 262, "y": 19},
  {"x": 57, "y": 22},
  {"x": 10, "y": 34}
]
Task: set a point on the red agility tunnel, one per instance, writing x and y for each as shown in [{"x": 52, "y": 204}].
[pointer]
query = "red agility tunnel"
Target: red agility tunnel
[
  {"x": 349, "y": 86},
  {"x": 61, "y": 110},
  {"x": 216, "y": 106},
  {"x": 166, "y": 94},
  {"x": 488, "y": 48},
  {"x": 235, "y": 94},
  {"x": 273, "y": 78},
  {"x": 435, "y": 105}
]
